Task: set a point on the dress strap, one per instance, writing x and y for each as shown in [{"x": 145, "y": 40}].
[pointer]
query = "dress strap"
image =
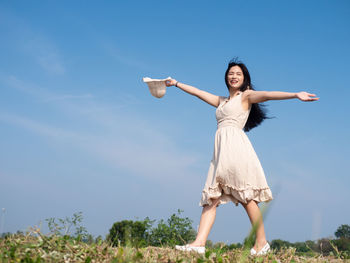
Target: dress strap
[{"x": 222, "y": 99}]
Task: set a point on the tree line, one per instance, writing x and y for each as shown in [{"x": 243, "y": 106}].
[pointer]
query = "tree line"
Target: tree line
[{"x": 178, "y": 230}]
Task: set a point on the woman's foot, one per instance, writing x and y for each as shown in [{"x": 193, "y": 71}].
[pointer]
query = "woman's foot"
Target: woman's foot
[
  {"x": 188, "y": 247},
  {"x": 263, "y": 251}
]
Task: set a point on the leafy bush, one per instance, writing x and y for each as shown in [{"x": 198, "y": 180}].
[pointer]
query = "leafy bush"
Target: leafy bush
[
  {"x": 278, "y": 244},
  {"x": 324, "y": 246},
  {"x": 343, "y": 232},
  {"x": 63, "y": 226},
  {"x": 343, "y": 244},
  {"x": 130, "y": 233},
  {"x": 176, "y": 230},
  {"x": 235, "y": 245},
  {"x": 302, "y": 247}
]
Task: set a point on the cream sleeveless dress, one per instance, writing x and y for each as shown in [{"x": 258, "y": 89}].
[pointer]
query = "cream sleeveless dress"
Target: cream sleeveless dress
[{"x": 235, "y": 173}]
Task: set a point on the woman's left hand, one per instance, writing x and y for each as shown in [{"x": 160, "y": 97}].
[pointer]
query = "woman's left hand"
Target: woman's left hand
[{"x": 305, "y": 96}]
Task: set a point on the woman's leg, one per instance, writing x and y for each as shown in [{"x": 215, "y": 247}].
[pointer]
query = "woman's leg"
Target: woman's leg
[
  {"x": 255, "y": 216},
  {"x": 205, "y": 224}
]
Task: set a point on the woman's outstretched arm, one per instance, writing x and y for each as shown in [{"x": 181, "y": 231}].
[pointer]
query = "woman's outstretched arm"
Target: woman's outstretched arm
[
  {"x": 203, "y": 95},
  {"x": 261, "y": 96}
]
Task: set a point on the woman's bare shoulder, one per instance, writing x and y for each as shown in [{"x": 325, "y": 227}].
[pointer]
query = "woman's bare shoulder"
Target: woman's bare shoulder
[{"x": 246, "y": 94}]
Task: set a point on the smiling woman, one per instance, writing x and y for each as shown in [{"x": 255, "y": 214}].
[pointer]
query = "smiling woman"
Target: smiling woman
[
  {"x": 237, "y": 77},
  {"x": 235, "y": 173}
]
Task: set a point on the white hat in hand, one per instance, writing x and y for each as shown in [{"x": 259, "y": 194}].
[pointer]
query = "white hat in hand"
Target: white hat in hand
[{"x": 157, "y": 87}]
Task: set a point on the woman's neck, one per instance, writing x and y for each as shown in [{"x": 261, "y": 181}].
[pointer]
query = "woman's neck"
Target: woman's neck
[{"x": 234, "y": 92}]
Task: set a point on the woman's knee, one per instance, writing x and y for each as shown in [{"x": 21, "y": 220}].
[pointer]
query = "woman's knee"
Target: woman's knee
[
  {"x": 215, "y": 202},
  {"x": 249, "y": 203}
]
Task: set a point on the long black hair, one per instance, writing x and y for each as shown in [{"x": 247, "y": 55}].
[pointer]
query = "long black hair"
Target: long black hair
[{"x": 257, "y": 113}]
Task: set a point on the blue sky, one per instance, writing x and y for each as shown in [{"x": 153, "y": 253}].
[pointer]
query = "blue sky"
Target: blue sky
[{"x": 79, "y": 130}]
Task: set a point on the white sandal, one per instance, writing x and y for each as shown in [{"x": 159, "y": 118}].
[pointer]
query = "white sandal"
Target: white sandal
[
  {"x": 200, "y": 250},
  {"x": 262, "y": 251}
]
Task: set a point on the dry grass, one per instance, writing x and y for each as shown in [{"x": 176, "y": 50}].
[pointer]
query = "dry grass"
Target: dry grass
[{"x": 36, "y": 247}]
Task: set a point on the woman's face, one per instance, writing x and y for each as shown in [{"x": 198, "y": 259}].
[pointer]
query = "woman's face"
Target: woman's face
[{"x": 235, "y": 77}]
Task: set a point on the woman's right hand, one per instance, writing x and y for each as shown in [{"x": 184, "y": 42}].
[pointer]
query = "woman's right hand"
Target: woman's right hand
[{"x": 170, "y": 82}]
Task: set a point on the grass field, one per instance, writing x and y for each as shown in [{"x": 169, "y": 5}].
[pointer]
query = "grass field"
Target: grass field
[{"x": 37, "y": 247}]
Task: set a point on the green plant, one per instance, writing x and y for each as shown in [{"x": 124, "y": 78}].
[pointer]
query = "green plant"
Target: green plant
[
  {"x": 278, "y": 244},
  {"x": 343, "y": 232},
  {"x": 176, "y": 230},
  {"x": 130, "y": 233},
  {"x": 63, "y": 227}
]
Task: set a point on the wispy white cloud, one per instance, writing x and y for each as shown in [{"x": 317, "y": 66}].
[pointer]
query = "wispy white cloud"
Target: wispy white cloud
[
  {"x": 45, "y": 53},
  {"x": 122, "y": 57},
  {"x": 12, "y": 81},
  {"x": 69, "y": 97},
  {"x": 149, "y": 157},
  {"x": 33, "y": 43},
  {"x": 44, "y": 95},
  {"x": 51, "y": 62},
  {"x": 117, "y": 54},
  {"x": 299, "y": 181},
  {"x": 35, "y": 126},
  {"x": 123, "y": 140}
]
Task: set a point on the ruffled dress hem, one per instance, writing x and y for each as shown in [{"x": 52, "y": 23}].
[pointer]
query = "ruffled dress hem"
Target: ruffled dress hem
[{"x": 227, "y": 193}]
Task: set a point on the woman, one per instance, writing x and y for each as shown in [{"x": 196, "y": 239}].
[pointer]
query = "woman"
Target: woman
[{"x": 235, "y": 173}]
